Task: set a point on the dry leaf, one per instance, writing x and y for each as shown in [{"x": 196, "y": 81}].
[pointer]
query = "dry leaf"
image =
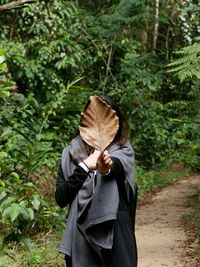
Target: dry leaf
[{"x": 99, "y": 124}]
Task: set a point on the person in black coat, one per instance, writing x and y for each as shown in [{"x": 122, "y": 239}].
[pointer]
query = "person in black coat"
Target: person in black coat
[{"x": 102, "y": 197}]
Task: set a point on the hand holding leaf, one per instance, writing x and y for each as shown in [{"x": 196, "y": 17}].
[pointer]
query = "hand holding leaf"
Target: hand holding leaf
[
  {"x": 91, "y": 160},
  {"x": 104, "y": 162}
]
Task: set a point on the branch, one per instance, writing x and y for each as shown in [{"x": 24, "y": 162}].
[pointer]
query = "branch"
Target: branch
[
  {"x": 108, "y": 66},
  {"x": 16, "y": 4}
]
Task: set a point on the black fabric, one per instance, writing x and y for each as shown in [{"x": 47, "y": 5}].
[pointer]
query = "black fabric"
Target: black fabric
[
  {"x": 66, "y": 190},
  {"x": 68, "y": 261},
  {"x": 124, "y": 251}
]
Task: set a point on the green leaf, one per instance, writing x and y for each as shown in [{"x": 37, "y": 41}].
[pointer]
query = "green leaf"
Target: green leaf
[
  {"x": 2, "y": 59},
  {"x": 25, "y": 214},
  {"x": 4, "y": 93},
  {"x": 7, "y": 85},
  {"x": 23, "y": 203},
  {"x": 26, "y": 137},
  {"x": 36, "y": 202},
  {"x": 2, "y": 195},
  {"x": 2, "y": 183},
  {"x": 15, "y": 209},
  {"x": 31, "y": 213},
  {"x": 31, "y": 186},
  {"x": 15, "y": 175},
  {"x": 3, "y": 67},
  {"x": 3, "y": 154},
  {"x": 6, "y": 203},
  {"x": 6, "y": 132},
  {"x": 5, "y": 215}
]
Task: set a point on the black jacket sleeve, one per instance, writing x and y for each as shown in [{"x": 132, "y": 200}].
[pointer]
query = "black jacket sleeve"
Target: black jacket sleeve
[
  {"x": 117, "y": 170},
  {"x": 67, "y": 190}
]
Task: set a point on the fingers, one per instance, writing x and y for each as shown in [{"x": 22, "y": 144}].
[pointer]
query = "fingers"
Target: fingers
[
  {"x": 109, "y": 162},
  {"x": 106, "y": 158},
  {"x": 105, "y": 155},
  {"x": 97, "y": 153}
]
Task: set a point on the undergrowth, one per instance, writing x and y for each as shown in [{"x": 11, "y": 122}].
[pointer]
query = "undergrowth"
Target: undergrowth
[
  {"x": 192, "y": 227},
  {"x": 194, "y": 216},
  {"x": 149, "y": 180},
  {"x": 44, "y": 253}
]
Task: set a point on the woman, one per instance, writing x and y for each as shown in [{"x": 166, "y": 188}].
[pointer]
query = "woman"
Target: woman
[{"x": 101, "y": 194}]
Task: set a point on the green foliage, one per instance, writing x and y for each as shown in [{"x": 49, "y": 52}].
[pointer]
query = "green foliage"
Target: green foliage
[
  {"x": 188, "y": 64},
  {"x": 151, "y": 180},
  {"x": 192, "y": 157},
  {"x": 22, "y": 208},
  {"x": 5, "y": 84},
  {"x": 30, "y": 142},
  {"x": 21, "y": 204},
  {"x": 124, "y": 15},
  {"x": 189, "y": 144},
  {"x": 50, "y": 56}
]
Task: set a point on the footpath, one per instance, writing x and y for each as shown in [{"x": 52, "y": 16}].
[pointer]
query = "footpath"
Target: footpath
[{"x": 160, "y": 232}]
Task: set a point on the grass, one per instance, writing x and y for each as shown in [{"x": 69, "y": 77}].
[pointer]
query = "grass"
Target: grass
[
  {"x": 150, "y": 180},
  {"x": 44, "y": 253},
  {"x": 192, "y": 226},
  {"x": 194, "y": 216}
]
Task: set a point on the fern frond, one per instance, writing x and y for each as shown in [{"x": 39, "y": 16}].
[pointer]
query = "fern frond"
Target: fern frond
[
  {"x": 194, "y": 48},
  {"x": 187, "y": 59},
  {"x": 188, "y": 65}
]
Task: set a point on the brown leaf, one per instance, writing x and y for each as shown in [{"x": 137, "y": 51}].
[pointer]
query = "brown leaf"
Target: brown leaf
[{"x": 99, "y": 124}]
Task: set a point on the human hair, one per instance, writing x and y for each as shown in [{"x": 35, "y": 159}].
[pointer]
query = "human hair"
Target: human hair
[{"x": 122, "y": 134}]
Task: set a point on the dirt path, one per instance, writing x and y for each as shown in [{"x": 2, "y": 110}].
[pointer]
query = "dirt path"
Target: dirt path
[{"x": 159, "y": 230}]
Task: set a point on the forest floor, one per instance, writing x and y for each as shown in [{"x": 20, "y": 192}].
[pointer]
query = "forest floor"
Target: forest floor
[{"x": 163, "y": 238}]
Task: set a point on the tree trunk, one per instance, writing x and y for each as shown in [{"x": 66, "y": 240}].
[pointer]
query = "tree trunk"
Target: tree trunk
[{"x": 156, "y": 26}]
